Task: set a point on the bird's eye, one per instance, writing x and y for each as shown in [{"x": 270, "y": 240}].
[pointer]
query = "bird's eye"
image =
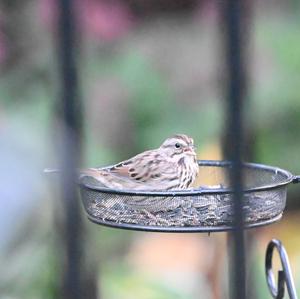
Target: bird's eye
[{"x": 177, "y": 145}]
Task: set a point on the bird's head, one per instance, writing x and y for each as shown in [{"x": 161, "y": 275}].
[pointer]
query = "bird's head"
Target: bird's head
[{"x": 178, "y": 146}]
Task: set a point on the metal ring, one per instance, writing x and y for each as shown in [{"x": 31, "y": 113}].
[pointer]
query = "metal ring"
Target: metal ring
[{"x": 181, "y": 229}]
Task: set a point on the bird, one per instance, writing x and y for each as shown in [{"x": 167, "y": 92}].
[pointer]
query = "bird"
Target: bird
[{"x": 172, "y": 166}]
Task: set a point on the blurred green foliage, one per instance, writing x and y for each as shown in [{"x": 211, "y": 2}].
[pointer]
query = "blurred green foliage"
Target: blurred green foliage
[
  {"x": 28, "y": 105},
  {"x": 276, "y": 100},
  {"x": 120, "y": 282}
]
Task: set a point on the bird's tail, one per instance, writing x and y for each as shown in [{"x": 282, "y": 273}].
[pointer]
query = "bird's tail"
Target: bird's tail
[
  {"x": 81, "y": 172},
  {"x": 51, "y": 170}
]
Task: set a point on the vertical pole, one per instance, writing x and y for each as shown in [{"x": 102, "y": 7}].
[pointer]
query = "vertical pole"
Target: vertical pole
[
  {"x": 70, "y": 113},
  {"x": 232, "y": 17}
]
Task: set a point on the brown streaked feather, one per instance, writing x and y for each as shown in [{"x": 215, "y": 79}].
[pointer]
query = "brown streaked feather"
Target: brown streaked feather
[
  {"x": 165, "y": 168},
  {"x": 132, "y": 167}
]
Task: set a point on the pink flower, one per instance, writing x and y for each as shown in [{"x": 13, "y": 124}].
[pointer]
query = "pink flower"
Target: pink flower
[{"x": 97, "y": 19}]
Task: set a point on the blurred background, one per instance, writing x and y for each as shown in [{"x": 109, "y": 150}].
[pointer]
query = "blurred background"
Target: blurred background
[{"x": 147, "y": 70}]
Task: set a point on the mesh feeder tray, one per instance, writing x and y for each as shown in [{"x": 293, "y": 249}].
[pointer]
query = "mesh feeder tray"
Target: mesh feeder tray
[{"x": 207, "y": 207}]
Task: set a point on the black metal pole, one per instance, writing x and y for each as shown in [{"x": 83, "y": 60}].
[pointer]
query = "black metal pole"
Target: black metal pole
[
  {"x": 232, "y": 17},
  {"x": 71, "y": 116}
]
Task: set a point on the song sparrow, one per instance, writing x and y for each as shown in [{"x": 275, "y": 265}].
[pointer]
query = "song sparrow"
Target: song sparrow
[{"x": 171, "y": 166}]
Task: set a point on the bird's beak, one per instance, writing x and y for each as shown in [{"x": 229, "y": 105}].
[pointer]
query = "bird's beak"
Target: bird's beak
[{"x": 190, "y": 150}]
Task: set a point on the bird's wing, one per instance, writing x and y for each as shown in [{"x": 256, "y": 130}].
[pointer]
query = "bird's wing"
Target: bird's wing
[
  {"x": 144, "y": 171},
  {"x": 146, "y": 167},
  {"x": 135, "y": 168}
]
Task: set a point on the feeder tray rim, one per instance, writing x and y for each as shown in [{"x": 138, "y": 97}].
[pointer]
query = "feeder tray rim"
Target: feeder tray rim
[{"x": 201, "y": 191}]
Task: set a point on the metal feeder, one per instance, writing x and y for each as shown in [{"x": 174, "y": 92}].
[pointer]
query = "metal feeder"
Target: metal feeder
[{"x": 206, "y": 208}]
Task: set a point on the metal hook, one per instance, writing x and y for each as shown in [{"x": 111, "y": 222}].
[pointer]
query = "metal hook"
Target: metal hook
[
  {"x": 284, "y": 275},
  {"x": 296, "y": 179}
]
